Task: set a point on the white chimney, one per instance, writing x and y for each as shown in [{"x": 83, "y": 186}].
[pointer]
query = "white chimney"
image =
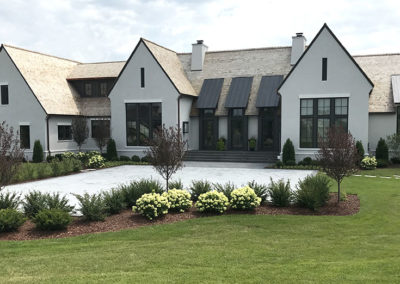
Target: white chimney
[
  {"x": 298, "y": 47},
  {"x": 198, "y": 53}
]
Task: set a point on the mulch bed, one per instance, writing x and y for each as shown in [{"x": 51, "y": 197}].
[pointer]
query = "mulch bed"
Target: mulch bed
[{"x": 127, "y": 219}]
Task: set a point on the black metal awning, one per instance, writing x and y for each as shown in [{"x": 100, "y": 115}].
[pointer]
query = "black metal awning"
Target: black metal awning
[
  {"x": 210, "y": 92},
  {"x": 267, "y": 95},
  {"x": 239, "y": 92}
]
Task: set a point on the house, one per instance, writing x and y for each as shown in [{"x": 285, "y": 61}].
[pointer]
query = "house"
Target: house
[{"x": 268, "y": 94}]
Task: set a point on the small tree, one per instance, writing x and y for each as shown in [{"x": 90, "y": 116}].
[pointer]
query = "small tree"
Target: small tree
[
  {"x": 11, "y": 154},
  {"x": 393, "y": 142},
  {"x": 37, "y": 156},
  {"x": 101, "y": 134},
  {"x": 288, "y": 154},
  {"x": 338, "y": 155},
  {"x": 80, "y": 130},
  {"x": 166, "y": 152},
  {"x": 112, "y": 150},
  {"x": 360, "y": 152},
  {"x": 382, "y": 150}
]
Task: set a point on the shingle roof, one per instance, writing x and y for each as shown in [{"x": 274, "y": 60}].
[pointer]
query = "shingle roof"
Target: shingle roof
[{"x": 96, "y": 70}]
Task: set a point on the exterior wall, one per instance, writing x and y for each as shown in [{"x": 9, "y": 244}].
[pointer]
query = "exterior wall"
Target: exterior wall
[
  {"x": 23, "y": 107},
  {"x": 193, "y": 141},
  {"x": 158, "y": 88},
  {"x": 253, "y": 127},
  {"x": 380, "y": 125},
  {"x": 185, "y": 105},
  {"x": 344, "y": 80},
  {"x": 223, "y": 127}
]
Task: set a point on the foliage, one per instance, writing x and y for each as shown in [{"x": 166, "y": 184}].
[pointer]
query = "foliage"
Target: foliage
[
  {"x": 221, "y": 144},
  {"x": 36, "y": 201},
  {"x": 226, "y": 188},
  {"x": 56, "y": 201},
  {"x": 252, "y": 143},
  {"x": 313, "y": 191},
  {"x": 9, "y": 200},
  {"x": 96, "y": 162},
  {"x": 10, "y": 219},
  {"x": 114, "y": 201},
  {"x": 212, "y": 202},
  {"x": 101, "y": 135},
  {"x": 279, "y": 164},
  {"x": 80, "y": 130},
  {"x": 369, "y": 163},
  {"x": 244, "y": 198},
  {"x": 135, "y": 158},
  {"x": 92, "y": 206},
  {"x": 133, "y": 191},
  {"x": 166, "y": 152},
  {"x": 199, "y": 187},
  {"x": 68, "y": 155},
  {"x": 260, "y": 189},
  {"x": 37, "y": 156},
  {"x": 146, "y": 159},
  {"x": 52, "y": 219},
  {"x": 124, "y": 158},
  {"x": 112, "y": 150},
  {"x": 11, "y": 155},
  {"x": 179, "y": 199},
  {"x": 382, "y": 150},
  {"x": 152, "y": 205},
  {"x": 280, "y": 193},
  {"x": 382, "y": 163},
  {"x": 360, "y": 152},
  {"x": 338, "y": 155},
  {"x": 288, "y": 154},
  {"x": 307, "y": 161},
  {"x": 395, "y": 160},
  {"x": 176, "y": 184},
  {"x": 393, "y": 142}
]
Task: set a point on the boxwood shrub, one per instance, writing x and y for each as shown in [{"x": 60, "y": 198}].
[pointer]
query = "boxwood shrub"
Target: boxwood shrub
[
  {"x": 114, "y": 201},
  {"x": 93, "y": 206},
  {"x": 179, "y": 200},
  {"x": 52, "y": 219},
  {"x": 10, "y": 220},
  {"x": 244, "y": 198},
  {"x": 212, "y": 202},
  {"x": 152, "y": 205},
  {"x": 313, "y": 191}
]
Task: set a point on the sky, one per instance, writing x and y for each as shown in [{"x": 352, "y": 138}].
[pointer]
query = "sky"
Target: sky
[{"x": 108, "y": 30}]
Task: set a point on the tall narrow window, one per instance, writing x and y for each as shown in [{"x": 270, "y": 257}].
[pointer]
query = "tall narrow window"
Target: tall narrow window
[
  {"x": 324, "y": 69},
  {"x": 142, "y": 77},
  {"x": 24, "y": 136},
  {"x": 103, "y": 89},
  {"x": 4, "y": 94}
]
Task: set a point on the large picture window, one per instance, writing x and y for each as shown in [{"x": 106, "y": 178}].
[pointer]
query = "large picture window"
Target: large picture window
[
  {"x": 142, "y": 121},
  {"x": 317, "y": 115}
]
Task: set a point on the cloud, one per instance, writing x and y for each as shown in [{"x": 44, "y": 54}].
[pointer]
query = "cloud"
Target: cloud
[{"x": 104, "y": 30}]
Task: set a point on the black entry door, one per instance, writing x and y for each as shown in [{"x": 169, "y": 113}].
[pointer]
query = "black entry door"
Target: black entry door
[
  {"x": 269, "y": 129},
  {"x": 237, "y": 130},
  {"x": 208, "y": 130}
]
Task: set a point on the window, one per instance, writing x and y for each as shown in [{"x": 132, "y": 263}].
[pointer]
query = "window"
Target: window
[
  {"x": 185, "y": 127},
  {"x": 88, "y": 89},
  {"x": 4, "y": 94},
  {"x": 237, "y": 112},
  {"x": 142, "y": 121},
  {"x": 142, "y": 77},
  {"x": 24, "y": 136},
  {"x": 64, "y": 132},
  {"x": 398, "y": 120},
  {"x": 317, "y": 115},
  {"x": 103, "y": 89},
  {"x": 100, "y": 128},
  {"x": 324, "y": 69}
]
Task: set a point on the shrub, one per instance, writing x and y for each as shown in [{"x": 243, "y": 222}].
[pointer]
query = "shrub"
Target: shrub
[
  {"x": 290, "y": 163},
  {"x": 152, "y": 205},
  {"x": 252, "y": 144},
  {"x": 212, "y": 202},
  {"x": 360, "y": 151},
  {"x": 288, "y": 153},
  {"x": 313, "y": 191},
  {"x": 112, "y": 150},
  {"x": 278, "y": 164},
  {"x": 92, "y": 206},
  {"x": 369, "y": 163},
  {"x": 199, "y": 187},
  {"x": 52, "y": 219},
  {"x": 96, "y": 162},
  {"x": 124, "y": 158},
  {"x": 68, "y": 155},
  {"x": 136, "y": 158},
  {"x": 382, "y": 150},
  {"x": 37, "y": 156},
  {"x": 50, "y": 158},
  {"x": 260, "y": 189},
  {"x": 395, "y": 160},
  {"x": 57, "y": 167},
  {"x": 382, "y": 163},
  {"x": 114, "y": 201},
  {"x": 10, "y": 220},
  {"x": 56, "y": 201},
  {"x": 36, "y": 201},
  {"x": 221, "y": 144},
  {"x": 83, "y": 157},
  {"x": 179, "y": 200},
  {"x": 175, "y": 184},
  {"x": 244, "y": 198},
  {"x": 307, "y": 161},
  {"x": 226, "y": 188},
  {"x": 9, "y": 200},
  {"x": 280, "y": 193},
  {"x": 133, "y": 191},
  {"x": 146, "y": 159}
]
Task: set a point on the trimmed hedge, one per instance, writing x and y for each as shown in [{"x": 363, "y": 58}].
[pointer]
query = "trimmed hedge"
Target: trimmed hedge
[{"x": 288, "y": 154}]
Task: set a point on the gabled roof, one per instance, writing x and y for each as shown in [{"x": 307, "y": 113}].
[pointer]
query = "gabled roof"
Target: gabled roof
[{"x": 96, "y": 70}]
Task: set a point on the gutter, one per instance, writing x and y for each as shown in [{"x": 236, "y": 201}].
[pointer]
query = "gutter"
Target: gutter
[{"x": 179, "y": 112}]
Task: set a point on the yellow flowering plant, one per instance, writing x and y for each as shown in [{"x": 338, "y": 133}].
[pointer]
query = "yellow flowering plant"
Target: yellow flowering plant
[
  {"x": 152, "y": 205},
  {"x": 179, "y": 199},
  {"x": 212, "y": 202},
  {"x": 244, "y": 198}
]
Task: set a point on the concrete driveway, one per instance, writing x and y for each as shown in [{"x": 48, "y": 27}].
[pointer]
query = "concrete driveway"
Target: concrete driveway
[{"x": 100, "y": 180}]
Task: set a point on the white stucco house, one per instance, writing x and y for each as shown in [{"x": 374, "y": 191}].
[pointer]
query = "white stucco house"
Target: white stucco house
[{"x": 268, "y": 94}]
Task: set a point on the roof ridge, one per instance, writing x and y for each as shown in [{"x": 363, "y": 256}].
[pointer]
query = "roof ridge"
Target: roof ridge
[
  {"x": 376, "y": 54},
  {"x": 166, "y": 48},
  {"x": 40, "y": 53},
  {"x": 102, "y": 62},
  {"x": 242, "y": 49}
]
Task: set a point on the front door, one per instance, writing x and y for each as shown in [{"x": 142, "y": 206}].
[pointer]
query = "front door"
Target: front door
[
  {"x": 237, "y": 129},
  {"x": 269, "y": 129},
  {"x": 208, "y": 130}
]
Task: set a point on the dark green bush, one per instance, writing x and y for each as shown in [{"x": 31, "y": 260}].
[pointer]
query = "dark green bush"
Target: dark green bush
[
  {"x": 52, "y": 219},
  {"x": 199, "y": 187},
  {"x": 10, "y": 220},
  {"x": 290, "y": 163},
  {"x": 114, "y": 200},
  {"x": 58, "y": 156},
  {"x": 382, "y": 163},
  {"x": 395, "y": 160},
  {"x": 92, "y": 206},
  {"x": 124, "y": 158},
  {"x": 50, "y": 158},
  {"x": 280, "y": 193},
  {"x": 360, "y": 152},
  {"x": 307, "y": 161},
  {"x": 225, "y": 188},
  {"x": 221, "y": 144},
  {"x": 136, "y": 158},
  {"x": 279, "y": 164},
  {"x": 37, "y": 156},
  {"x": 56, "y": 201},
  {"x": 382, "y": 150},
  {"x": 260, "y": 189},
  {"x": 313, "y": 191},
  {"x": 112, "y": 150},
  {"x": 177, "y": 184},
  {"x": 133, "y": 191},
  {"x": 36, "y": 201},
  {"x": 9, "y": 200},
  {"x": 146, "y": 159},
  {"x": 288, "y": 153}
]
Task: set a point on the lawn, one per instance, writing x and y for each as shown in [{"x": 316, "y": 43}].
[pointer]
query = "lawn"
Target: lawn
[{"x": 237, "y": 248}]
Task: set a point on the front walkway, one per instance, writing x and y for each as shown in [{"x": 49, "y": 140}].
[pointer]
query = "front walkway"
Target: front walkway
[{"x": 97, "y": 181}]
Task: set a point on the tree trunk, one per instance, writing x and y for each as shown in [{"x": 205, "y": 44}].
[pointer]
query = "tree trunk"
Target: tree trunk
[
  {"x": 167, "y": 183},
  {"x": 338, "y": 191}
]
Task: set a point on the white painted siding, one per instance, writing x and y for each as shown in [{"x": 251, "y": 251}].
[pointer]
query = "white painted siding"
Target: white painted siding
[{"x": 193, "y": 143}]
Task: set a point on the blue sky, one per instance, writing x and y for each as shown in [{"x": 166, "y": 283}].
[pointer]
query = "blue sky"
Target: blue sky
[{"x": 89, "y": 30}]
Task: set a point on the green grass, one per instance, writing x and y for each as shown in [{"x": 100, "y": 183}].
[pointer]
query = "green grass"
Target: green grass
[
  {"x": 363, "y": 248},
  {"x": 387, "y": 172}
]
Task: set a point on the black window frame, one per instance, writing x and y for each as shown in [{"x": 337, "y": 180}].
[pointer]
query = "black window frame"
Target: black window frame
[
  {"x": 4, "y": 95},
  {"x": 185, "y": 127},
  {"x": 150, "y": 122},
  {"x": 25, "y": 136},
  {"x": 332, "y": 116},
  {"x": 324, "y": 69},
  {"x": 64, "y": 132},
  {"x": 92, "y": 127},
  {"x": 142, "y": 77}
]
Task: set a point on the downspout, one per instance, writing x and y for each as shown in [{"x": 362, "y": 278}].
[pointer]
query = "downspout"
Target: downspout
[
  {"x": 47, "y": 135},
  {"x": 179, "y": 112}
]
